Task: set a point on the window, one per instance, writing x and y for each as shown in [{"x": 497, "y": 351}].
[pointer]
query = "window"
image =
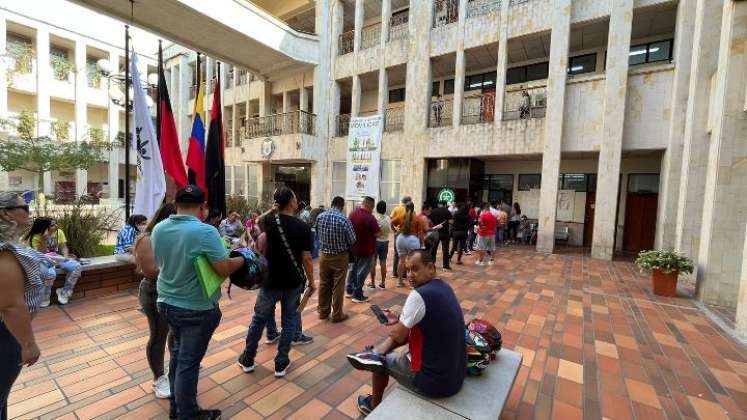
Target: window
[
  {"x": 239, "y": 180},
  {"x": 229, "y": 179},
  {"x": 251, "y": 187},
  {"x": 499, "y": 187},
  {"x": 583, "y": 64},
  {"x": 643, "y": 183},
  {"x": 575, "y": 182},
  {"x": 436, "y": 88},
  {"x": 449, "y": 87},
  {"x": 516, "y": 75},
  {"x": 529, "y": 181},
  {"x": 397, "y": 95},
  {"x": 389, "y": 183},
  {"x": 637, "y": 55},
  {"x": 651, "y": 52},
  {"x": 339, "y": 172},
  {"x": 479, "y": 81},
  {"x": 538, "y": 71}
]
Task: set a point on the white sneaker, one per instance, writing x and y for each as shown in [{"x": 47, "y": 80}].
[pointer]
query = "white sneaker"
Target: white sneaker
[
  {"x": 44, "y": 303},
  {"x": 62, "y": 297},
  {"x": 490, "y": 262},
  {"x": 479, "y": 263},
  {"x": 161, "y": 387}
]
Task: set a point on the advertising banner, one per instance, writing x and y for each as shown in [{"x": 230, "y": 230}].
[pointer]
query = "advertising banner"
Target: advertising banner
[{"x": 364, "y": 157}]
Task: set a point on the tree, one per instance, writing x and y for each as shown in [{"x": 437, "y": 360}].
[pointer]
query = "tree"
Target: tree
[{"x": 42, "y": 154}]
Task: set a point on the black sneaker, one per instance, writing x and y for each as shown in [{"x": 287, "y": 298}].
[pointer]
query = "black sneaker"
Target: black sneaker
[
  {"x": 365, "y": 405},
  {"x": 302, "y": 340},
  {"x": 246, "y": 365},
  {"x": 361, "y": 299},
  {"x": 281, "y": 370},
  {"x": 367, "y": 360},
  {"x": 209, "y": 415},
  {"x": 271, "y": 339}
]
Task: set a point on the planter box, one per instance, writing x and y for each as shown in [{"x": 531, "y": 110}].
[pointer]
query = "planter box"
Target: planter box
[{"x": 665, "y": 284}]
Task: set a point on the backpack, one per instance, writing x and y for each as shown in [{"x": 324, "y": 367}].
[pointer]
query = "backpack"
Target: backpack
[
  {"x": 482, "y": 340},
  {"x": 252, "y": 274}
]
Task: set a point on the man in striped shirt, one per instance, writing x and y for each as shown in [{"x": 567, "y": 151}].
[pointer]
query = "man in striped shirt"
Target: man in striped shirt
[{"x": 336, "y": 237}]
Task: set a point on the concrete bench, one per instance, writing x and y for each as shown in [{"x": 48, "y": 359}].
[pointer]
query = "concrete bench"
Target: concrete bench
[
  {"x": 481, "y": 397},
  {"x": 99, "y": 276},
  {"x": 562, "y": 233}
]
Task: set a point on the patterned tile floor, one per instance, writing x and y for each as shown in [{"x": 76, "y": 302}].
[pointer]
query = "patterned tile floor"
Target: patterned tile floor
[{"x": 596, "y": 344}]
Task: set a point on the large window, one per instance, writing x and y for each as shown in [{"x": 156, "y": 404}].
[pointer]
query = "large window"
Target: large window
[
  {"x": 528, "y": 73},
  {"x": 529, "y": 181},
  {"x": 582, "y": 64},
  {"x": 651, "y": 52},
  {"x": 479, "y": 81},
  {"x": 397, "y": 95},
  {"x": 339, "y": 170},
  {"x": 643, "y": 183},
  {"x": 436, "y": 88},
  {"x": 389, "y": 182},
  {"x": 251, "y": 188},
  {"x": 449, "y": 87},
  {"x": 499, "y": 187}
]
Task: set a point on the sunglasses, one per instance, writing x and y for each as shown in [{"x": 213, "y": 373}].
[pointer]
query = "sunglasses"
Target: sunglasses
[{"x": 25, "y": 207}]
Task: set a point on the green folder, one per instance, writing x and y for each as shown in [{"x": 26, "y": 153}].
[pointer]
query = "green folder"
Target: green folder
[{"x": 209, "y": 279}]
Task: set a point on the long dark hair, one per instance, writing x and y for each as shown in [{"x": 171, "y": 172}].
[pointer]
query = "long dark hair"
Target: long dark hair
[
  {"x": 283, "y": 196},
  {"x": 163, "y": 212},
  {"x": 409, "y": 218},
  {"x": 41, "y": 224},
  {"x": 517, "y": 207}
]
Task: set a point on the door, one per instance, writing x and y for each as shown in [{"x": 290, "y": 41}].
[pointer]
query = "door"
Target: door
[
  {"x": 591, "y": 198},
  {"x": 640, "y": 222},
  {"x": 297, "y": 178}
]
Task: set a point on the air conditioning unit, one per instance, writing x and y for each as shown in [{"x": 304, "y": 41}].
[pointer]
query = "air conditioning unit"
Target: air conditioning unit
[{"x": 539, "y": 100}]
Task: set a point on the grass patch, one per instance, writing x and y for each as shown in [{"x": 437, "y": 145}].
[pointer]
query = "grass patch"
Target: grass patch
[{"x": 102, "y": 250}]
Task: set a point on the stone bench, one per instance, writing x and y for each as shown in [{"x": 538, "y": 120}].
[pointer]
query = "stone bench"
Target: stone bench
[
  {"x": 481, "y": 397},
  {"x": 99, "y": 276}
]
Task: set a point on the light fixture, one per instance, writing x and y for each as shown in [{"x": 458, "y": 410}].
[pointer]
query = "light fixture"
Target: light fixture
[
  {"x": 153, "y": 79},
  {"x": 105, "y": 66},
  {"x": 116, "y": 94}
]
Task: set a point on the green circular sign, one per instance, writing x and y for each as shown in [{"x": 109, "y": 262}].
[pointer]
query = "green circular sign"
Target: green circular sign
[{"x": 446, "y": 195}]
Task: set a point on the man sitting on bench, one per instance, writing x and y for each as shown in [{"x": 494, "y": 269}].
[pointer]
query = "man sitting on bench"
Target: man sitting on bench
[{"x": 432, "y": 325}]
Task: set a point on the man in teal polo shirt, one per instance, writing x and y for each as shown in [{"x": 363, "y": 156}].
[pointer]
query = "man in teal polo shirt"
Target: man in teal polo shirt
[{"x": 192, "y": 316}]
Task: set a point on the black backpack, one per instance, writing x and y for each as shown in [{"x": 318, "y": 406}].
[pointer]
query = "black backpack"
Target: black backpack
[{"x": 252, "y": 274}]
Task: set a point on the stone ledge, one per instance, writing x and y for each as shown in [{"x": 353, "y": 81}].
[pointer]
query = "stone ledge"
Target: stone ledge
[{"x": 102, "y": 275}]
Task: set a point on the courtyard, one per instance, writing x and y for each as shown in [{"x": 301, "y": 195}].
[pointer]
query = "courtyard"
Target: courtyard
[{"x": 596, "y": 344}]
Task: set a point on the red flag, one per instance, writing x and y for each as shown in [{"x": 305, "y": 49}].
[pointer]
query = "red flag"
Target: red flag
[
  {"x": 171, "y": 152},
  {"x": 215, "y": 169}
]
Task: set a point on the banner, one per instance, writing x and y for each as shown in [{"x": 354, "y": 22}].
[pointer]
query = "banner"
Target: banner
[{"x": 364, "y": 157}]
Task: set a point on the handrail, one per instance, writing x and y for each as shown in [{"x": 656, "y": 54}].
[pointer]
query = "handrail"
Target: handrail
[
  {"x": 445, "y": 12},
  {"x": 441, "y": 112},
  {"x": 293, "y": 122},
  {"x": 526, "y": 103},
  {"x": 346, "y": 42},
  {"x": 342, "y": 125},
  {"x": 398, "y": 26},
  {"x": 477, "y": 8},
  {"x": 478, "y": 109},
  {"x": 371, "y": 35},
  {"x": 394, "y": 119}
]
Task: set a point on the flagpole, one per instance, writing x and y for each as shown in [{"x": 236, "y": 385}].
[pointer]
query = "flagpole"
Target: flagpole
[
  {"x": 127, "y": 123},
  {"x": 158, "y": 93}
]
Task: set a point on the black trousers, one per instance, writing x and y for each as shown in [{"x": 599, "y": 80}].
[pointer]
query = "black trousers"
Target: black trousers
[
  {"x": 458, "y": 243},
  {"x": 10, "y": 367},
  {"x": 158, "y": 326},
  {"x": 396, "y": 257},
  {"x": 443, "y": 240}
]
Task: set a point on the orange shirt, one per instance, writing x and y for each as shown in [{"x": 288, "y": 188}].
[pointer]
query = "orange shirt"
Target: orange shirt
[{"x": 398, "y": 217}]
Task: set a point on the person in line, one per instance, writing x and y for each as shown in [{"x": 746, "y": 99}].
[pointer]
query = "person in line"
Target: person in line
[
  {"x": 442, "y": 220},
  {"x": 500, "y": 232},
  {"x": 382, "y": 244},
  {"x": 192, "y": 316},
  {"x": 158, "y": 327},
  {"x": 303, "y": 212},
  {"x": 453, "y": 208},
  {"x": 291, "y": 270},
  {"x": 397, "y": 217},
  {"x": 231, "y": 226},
  {"x": 432, "y": 325},
  {"x": 410, "y": 238},
  {"x": 46, "y": 237},
  {"x": 313, "y": 216},
  {"x": 513, "y": 223},
  {"x": 472, "y": 231},
  {"x": 22, "y": 293},
  {"x": 336, "y": 237},
  {"x": 126, "y": 237},
  {"x": 459, "y": 237},
  {"x": 363, "y": 250},
  {"x": 487, "y": 223},
  {"x": 425, "y": 214},
  {"x": 214, "y": 218}
]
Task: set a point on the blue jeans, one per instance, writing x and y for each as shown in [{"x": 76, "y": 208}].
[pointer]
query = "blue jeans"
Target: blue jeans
[
  {"x": 10, "y": 367},
  {"x": 314, "y": 244},
  {"x": 264, "y": 310},
  {"x": 359, "y": 270},
  {"x": 500, "y": 234},
  {"x": 272, "y": 326},
  {"x": 191, "y": 331}
]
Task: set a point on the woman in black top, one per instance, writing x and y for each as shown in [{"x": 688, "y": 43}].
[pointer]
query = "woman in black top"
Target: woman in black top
[{"x": 459, "y": 236}]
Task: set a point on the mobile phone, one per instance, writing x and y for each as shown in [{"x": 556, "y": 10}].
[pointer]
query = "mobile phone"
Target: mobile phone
[{"x": 379, "y": 314}]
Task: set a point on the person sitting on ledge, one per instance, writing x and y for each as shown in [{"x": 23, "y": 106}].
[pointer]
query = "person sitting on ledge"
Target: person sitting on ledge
[
  {"x": 432, "y": 325},
  {"x": 135, "y": 225}
]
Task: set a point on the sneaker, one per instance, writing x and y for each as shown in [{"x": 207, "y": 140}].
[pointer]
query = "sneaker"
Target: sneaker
[
  {"x": 479, "y": 262},
  {"x": 281, "y": 370},
  {"x": 209, "y": 415},
  {"x": 62, "y": 297},
  {"x": 382, "y": 286},
  {"x": 161, "y": 387},
  {"x": 371, "y": 286},
  {"x": 302, "y": 340},
  {"x": 246, "y": 365},
  {"x": 362, "y": 299},
  {"x": 44, "y": 303},
  {"x": 367, "y": 360},
  {"x": 365, "y": 405},
  {"x": 490, "y": 262},
  {"x": 271, "y": 339},
  {"x": 348, "y": 295}
]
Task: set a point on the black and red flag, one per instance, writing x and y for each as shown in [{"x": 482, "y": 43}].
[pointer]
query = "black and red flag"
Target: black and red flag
[
  {"x": 171, "y": 152},
  {"x": 215, "y": 169}
]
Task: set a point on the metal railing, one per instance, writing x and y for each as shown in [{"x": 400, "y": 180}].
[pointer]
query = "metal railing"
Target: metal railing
[
  {"x": 477, "y": 8},
  {"x": 526, "y": 103},
  {"x": 445, "y": 12},
  {"x": 293, "y": 122},
  {"x": 342, "y": 125},
  {"x": 345, "y": 43},
  {"x": 394, "y": 119},
  {"x": 515, "y": 2},
  {"x": 477, "y": 109},
  {"x": 398, "y": 26},
  {"x": 441, "y": 112},
  {"x": 371, "y": 36}
]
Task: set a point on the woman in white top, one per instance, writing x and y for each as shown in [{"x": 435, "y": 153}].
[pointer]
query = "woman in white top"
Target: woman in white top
[{"x": 382, "y": 244}]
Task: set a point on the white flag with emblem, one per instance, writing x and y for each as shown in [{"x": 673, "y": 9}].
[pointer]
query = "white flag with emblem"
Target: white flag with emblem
[{"x": 150, "y": 187}]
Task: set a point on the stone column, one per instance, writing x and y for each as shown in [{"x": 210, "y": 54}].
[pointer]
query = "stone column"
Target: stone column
[
  {"x": 456, "y": 113},
  {"x": 722, "y": 235},
  {"x": 671, "y": 162},
  {"x": 386, "y": 20},
  {"x": 383, "y": 98},
  {"x": 113, "y": 124},
  {"x": 234, "y": 121},
  {"x": 615, "y": 89},
  {"x": 500, "y": 79},
  {"x": 303, "y": 97},
  {"x": 328, "y": 26},
  {"x": 705, "y": 46},
  {"x": 558, "y": 73},
  {"x": 81, "y": 110},
  {"x": 3, "y": 95},
  {"x": 182, "y": 104},
  {"x": 43, "y": 105},
  {"x": 741, "y": 318},
  {"x": 286, "y": 101},
  {"x": 359, "y": 10},
  {"x": 265, "y": 98},
  {"x": 355, "y": 100}
]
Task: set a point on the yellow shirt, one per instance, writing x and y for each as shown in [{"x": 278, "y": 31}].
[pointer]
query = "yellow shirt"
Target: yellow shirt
[
  {"x": 58, "y": 241},
  {"x": 398, "y": 217}
]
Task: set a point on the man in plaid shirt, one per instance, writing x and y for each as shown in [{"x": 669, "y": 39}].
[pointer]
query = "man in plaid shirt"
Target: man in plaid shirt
[{"x": 336, "y": 237}]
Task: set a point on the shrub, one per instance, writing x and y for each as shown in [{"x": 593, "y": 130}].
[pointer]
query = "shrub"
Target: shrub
[
  {"x": 666, "y": 261},
  {"x": 86, "y": 227}
]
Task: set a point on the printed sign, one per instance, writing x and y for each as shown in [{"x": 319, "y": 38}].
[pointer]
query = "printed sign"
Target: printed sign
[
  {"x": 446, "y": 195},
  {"x": 364, "y": 157}
]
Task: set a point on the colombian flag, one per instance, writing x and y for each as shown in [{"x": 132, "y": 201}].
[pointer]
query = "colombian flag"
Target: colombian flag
[{"x": 196, "y": 150}]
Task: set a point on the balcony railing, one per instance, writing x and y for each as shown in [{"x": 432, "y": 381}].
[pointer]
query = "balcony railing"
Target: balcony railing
[
  {"x": 441, "y": 112},
  {"x": 371, "y": 36},
  {"x": 398, "y": 26},
  {"x": 345, "y": 43},
  {"x": 478, "y": 109},
  {"x": 342, "y": 125},
  {"x": 293, "y": 122},
  {"x": 394, "y": 119},
  {"x": 445, "y": 12},
  {"x": 515, "y": 2},
  {"x": 477, "y": 8},
  {"x": 526, "y": 103}
]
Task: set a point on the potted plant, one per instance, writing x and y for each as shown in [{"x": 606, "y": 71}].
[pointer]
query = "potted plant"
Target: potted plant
[{"x": 665, "y": 267}]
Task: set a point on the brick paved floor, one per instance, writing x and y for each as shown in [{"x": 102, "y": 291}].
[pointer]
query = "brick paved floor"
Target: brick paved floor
[{"x": 596, "y": 343}]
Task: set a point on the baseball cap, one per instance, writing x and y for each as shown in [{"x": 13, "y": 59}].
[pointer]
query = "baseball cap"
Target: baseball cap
[{"x": 191, "y": 194}]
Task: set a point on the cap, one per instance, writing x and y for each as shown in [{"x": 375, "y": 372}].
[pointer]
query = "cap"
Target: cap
[{"x": 191, "y": 194}]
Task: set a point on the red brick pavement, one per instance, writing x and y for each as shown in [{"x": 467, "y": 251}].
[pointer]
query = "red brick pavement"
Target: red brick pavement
[{"x": 596, "y": 343}]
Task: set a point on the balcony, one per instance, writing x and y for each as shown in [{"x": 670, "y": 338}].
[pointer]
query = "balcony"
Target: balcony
[
  {"x": 445, "y": 12},
  {"x": 294, "y": 122},
  {"x": 342, "y": 124},
  {"x": 371, "y": 36},
  {"x": 478, "y": 109},
  {"x": 522, "y": 104},
  {"x": 345, "y": 43},
  {"x": 477, "y": 8},
  {"x": 394, "y": 119},
  {"x": 441, "y": 112},
  {"x": 398, "y": 26}
]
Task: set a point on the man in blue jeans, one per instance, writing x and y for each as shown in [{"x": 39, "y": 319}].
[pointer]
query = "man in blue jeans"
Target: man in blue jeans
[
  {"x": 366, "y": 228},
  {"x": 290, "y": 266},
  {"x": 192, "y": 316}
]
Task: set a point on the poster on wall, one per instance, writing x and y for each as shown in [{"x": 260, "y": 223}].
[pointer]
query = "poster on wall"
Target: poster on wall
[{"x": 364, "y": 157}]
